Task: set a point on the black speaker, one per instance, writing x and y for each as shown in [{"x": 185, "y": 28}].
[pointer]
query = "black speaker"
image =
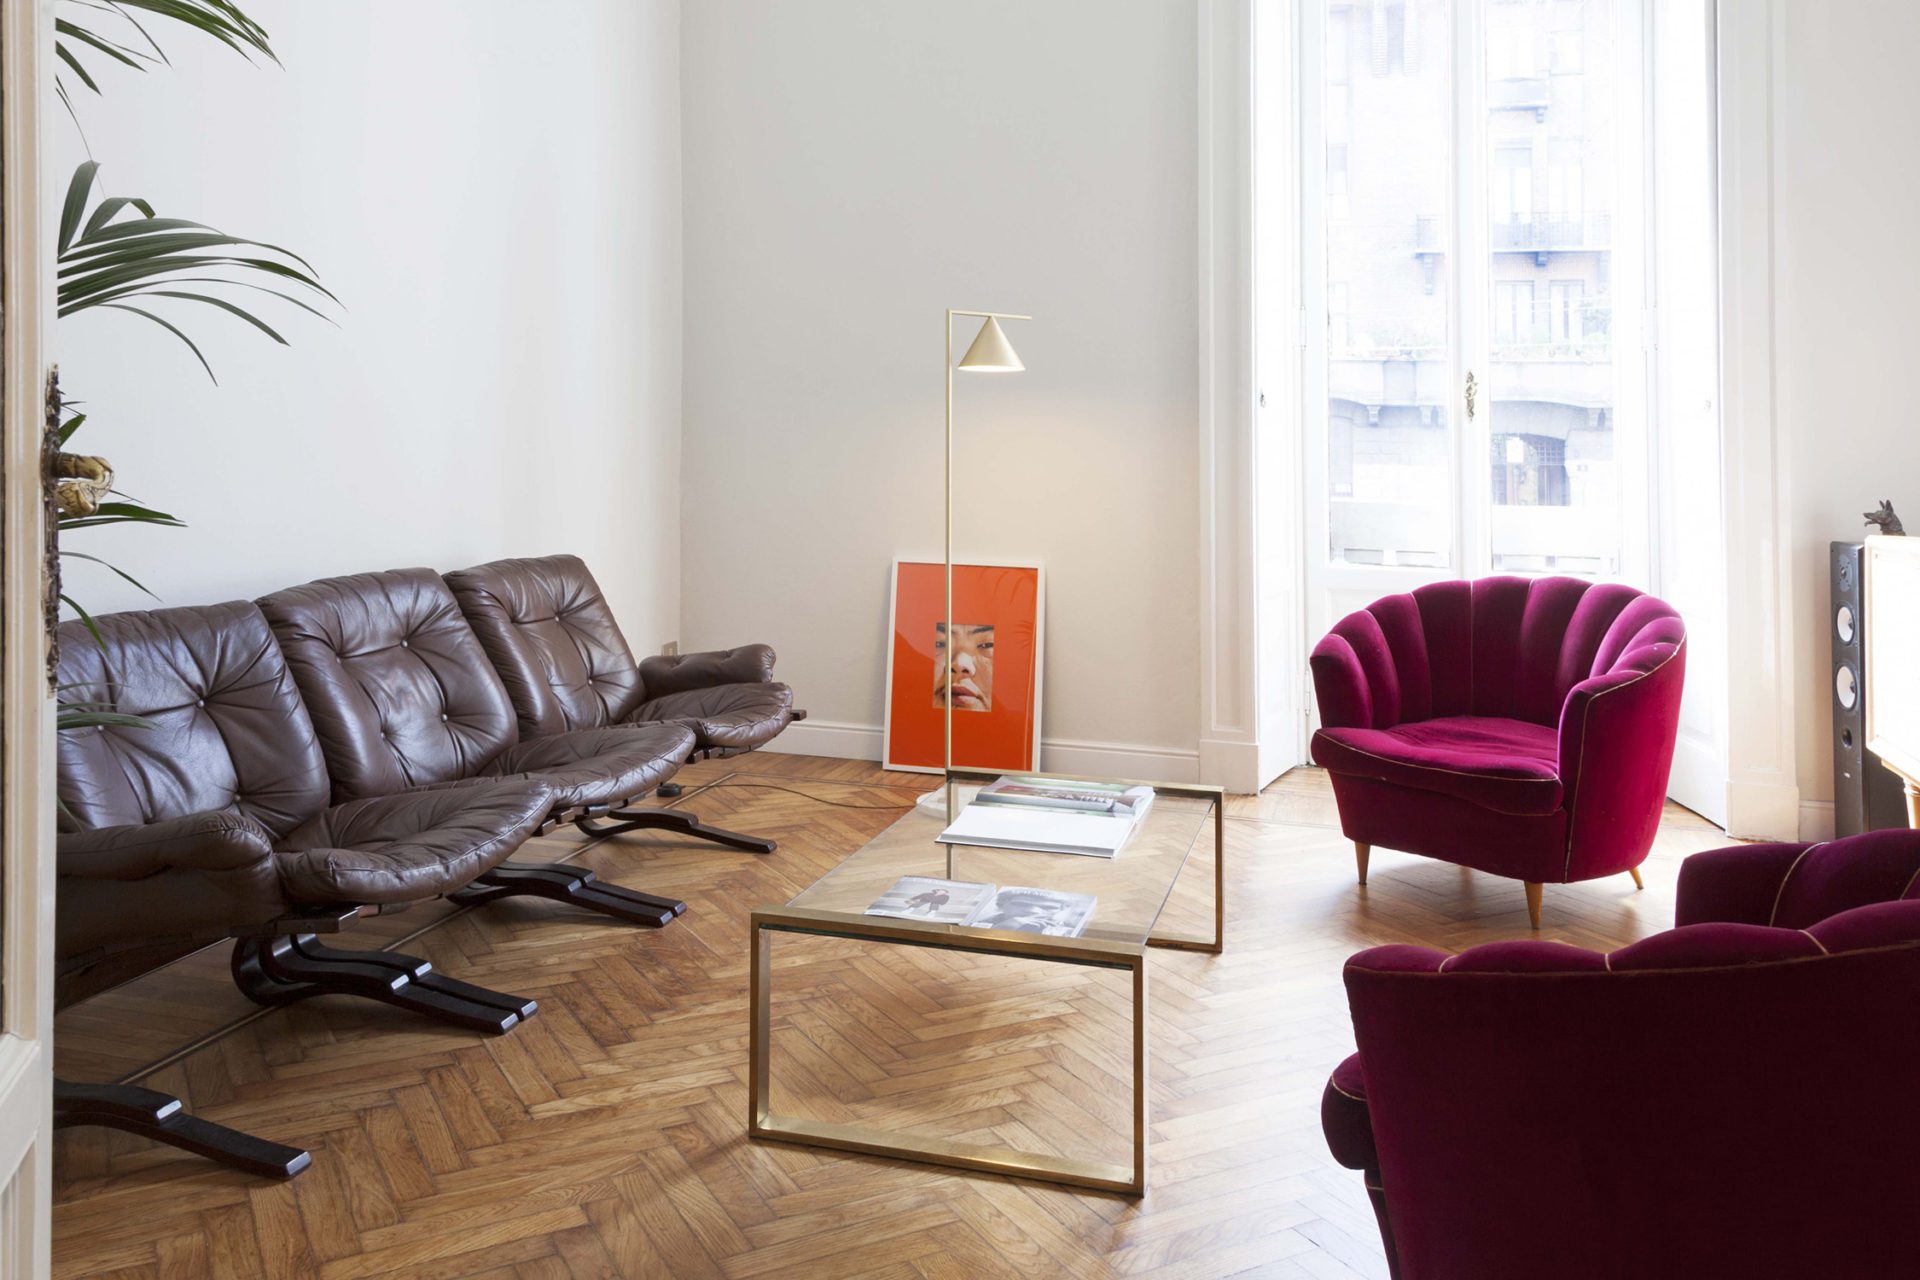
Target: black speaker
[{"x": 1867, "y": 796}]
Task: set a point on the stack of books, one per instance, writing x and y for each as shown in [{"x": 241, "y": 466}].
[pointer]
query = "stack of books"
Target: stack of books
[{"x": 1051, "y": 815}]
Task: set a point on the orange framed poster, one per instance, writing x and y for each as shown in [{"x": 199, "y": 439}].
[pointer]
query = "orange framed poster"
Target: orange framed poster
[{"x": 999, "y": 611}]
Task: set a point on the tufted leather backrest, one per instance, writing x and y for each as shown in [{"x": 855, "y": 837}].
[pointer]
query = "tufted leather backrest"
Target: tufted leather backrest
[
  {"x": 1501, "y": 646},
  {"x": 553, "y": 640},
  {"x": 399, "y": 689},
  {"x": 227, "y": 726}
]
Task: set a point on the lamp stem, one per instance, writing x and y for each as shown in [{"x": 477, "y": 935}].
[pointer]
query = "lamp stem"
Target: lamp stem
[{"x": 947, "y": 648}]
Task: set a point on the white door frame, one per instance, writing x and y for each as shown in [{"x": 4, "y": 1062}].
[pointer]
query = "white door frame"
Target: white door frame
[
  {"x": 26, "y": 725},
  {"x": 1763, "y": 788}
]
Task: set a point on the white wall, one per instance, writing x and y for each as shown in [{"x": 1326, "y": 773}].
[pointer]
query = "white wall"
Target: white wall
[
  {"x": 1847, "y": 316},
  {"x": 854, "y": 167},
  {"x": 496, "y": 199}
]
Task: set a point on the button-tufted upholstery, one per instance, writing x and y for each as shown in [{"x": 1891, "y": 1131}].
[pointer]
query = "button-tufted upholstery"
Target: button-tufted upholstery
[
  {"x": 215, "y": 814},
  {"x": 403, "y": 695},
  {"x": 1520, "y": 726},
  {"x": 1729, "y": 1098},
  {"x": 567, "y": 666}
]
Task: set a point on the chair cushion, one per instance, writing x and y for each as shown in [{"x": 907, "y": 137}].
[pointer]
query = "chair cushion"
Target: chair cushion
[
  {"x": 553, "y": 639},
  {"x": 226, "y": 727},
  {"x": 398, "y": 686},
  {"x": 1511, "y": 766},
  {"x": 598, "y": 766},
  {"x": 728, "y": 717},
  {"x": 416, "y": 845}
]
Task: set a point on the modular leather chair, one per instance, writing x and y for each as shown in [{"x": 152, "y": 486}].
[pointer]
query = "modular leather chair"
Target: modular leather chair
[
  {"x": 212, "y": 818},
  {"x": 1733, "y": 1097},
  {"x": 1523, "y": 727},
  {"x": 567, "y": 667},
  {"x": 402, "y": 695}
]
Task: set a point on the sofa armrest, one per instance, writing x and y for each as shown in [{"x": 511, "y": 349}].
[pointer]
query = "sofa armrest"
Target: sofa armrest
[
  {"x": 220, "y": 841},
  {"x": 1340, "y": 685},
  {"x": 749, "y": 664},
  {"x": 1617, "y": 733}
]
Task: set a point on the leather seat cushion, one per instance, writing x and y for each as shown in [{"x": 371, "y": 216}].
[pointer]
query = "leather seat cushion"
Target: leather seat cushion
[
  {"x": 1510, "y": 766},
  {"x": 598, "y": 766},
  {"x": 730, "y": 717},
  {"x": 403, "y": 848}
]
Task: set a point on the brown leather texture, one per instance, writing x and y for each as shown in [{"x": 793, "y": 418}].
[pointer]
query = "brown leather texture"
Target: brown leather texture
[
  {"x": 592, "y": 767},
  {"x": 182, "y": 880},
  {"x": 730, "y": 717},
  {"x": 662, "y": 674},
  {"x": 566, "y": 665},
  {"x": 398, "y": 686},
  {"x": 227, "y": 725},
  {"x": 553, "y": 640},
  {"x": 404, "y": 848}
]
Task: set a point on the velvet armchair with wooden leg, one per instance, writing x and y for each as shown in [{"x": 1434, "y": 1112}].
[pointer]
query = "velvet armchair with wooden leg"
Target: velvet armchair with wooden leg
[{"x": 1523, "y": 727}]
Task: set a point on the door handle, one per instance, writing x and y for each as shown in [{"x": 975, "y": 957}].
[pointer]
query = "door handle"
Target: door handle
[{"x": 1472, "y": 386}]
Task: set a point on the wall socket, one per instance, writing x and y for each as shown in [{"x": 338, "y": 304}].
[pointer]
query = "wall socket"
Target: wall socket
[{"x": 671, "y": 649}]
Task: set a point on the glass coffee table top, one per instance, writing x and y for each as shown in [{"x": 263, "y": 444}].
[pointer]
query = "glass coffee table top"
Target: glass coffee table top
[{"x": 1129, "y": 889}]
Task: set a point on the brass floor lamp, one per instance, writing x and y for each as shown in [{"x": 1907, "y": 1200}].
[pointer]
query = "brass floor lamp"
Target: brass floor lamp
[{"x": 990, "y": 353}]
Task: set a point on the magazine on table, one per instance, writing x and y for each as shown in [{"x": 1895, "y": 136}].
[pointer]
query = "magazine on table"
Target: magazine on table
[
  {"x": 1051, "y": 815},
  {"x": 925, "y": 898},
  {"x": 985, "y": 906}
]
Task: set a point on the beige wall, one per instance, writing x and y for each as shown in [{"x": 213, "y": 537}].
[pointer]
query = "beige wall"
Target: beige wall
[
  {"x": 1848, "y": 313},
  {"x": 497, "y": 201},
  {"x": 853, "y": 167}
]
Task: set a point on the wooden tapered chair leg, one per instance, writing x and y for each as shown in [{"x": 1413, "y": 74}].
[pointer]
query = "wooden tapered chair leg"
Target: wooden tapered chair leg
[
  {"x": 1533, "y": 902},
  {"x": 1360, "y": 852},
  {"x": 1638, "y": 883}
]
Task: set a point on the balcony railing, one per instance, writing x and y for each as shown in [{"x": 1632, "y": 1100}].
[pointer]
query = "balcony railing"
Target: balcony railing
[
  {"x": 1521, "y": 93},
  {"x": 1545, "y": 233}
]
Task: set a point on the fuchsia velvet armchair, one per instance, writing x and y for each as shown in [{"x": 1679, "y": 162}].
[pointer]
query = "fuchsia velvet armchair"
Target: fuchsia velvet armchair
[
  {"x": 1519, "y": 726},
  {"x": 1734, "y": 1097}
]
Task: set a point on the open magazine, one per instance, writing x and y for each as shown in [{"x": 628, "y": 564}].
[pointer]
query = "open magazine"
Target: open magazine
[
  {"x": 985, "y": 906},
  {"x": 1051, "y": 815}
]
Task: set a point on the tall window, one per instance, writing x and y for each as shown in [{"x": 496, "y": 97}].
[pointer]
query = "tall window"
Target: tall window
[
  {"x": 1564, "y": 300},
  {"x": 1467, "y": 233},
  {"x": 1513, "y": 184},
  {"x": 1512, "y": 313}
]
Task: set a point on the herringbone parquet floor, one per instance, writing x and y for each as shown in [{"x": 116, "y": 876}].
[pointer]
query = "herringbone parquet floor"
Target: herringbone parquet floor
[{"x": 603, "y": 1138}]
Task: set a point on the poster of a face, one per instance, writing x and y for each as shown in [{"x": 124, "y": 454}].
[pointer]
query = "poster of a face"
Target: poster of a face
[{"x": 989, "y": 666}]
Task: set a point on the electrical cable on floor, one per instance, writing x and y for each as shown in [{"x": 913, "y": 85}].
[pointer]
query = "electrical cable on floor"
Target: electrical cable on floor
[{"x": 838, "y": 804}]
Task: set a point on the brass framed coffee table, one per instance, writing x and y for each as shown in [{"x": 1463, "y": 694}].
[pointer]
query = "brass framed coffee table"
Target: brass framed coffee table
[{"x": 1131, "y": 889}]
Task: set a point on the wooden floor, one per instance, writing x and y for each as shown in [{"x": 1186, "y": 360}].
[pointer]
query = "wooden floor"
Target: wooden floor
[{"x": 604, "y": 1137}]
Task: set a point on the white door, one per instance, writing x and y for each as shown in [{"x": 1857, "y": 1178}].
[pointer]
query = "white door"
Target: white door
[
  {"x": 26, "y": 746},
  {"x": 1477, "y": 202}
]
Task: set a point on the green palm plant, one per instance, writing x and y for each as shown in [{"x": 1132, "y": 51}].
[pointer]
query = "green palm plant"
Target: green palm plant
[
  {"x": 83, "y": 34},
  {"x": 108, "y": 258},
  {"x": 119, "y": 254}
]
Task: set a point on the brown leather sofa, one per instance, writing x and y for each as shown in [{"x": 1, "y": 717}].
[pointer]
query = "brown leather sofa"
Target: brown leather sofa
[
  {"x": 567, "y": 668},
  {"x": 214, "y": 820},
  {"x": 344, "y": 745}
]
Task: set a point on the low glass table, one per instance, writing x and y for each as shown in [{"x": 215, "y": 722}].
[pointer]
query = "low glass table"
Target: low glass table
[{"x": 1131, "y": 890}]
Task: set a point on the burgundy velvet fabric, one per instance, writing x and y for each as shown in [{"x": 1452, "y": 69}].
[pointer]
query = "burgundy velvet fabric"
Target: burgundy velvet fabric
[
  {"x": 1729, "y": 1098},
  {"x": 1507, "y": 765},
  {"x": 1476, "y": 712}
]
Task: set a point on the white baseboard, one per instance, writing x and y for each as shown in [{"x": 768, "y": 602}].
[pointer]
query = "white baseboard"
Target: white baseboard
[
  {"x": 843, "y": 741},
  {"x": 1816, "y": 819}
]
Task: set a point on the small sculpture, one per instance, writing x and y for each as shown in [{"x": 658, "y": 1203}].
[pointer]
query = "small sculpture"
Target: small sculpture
[{"x": 1884, "y": 520}]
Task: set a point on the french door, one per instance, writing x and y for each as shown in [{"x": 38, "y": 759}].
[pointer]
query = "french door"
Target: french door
[{"x": 1473, "y": 277}]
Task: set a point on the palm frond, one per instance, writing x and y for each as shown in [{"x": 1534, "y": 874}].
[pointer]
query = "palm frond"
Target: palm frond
[
  {"x": 86, "y": 32},
  {"x": 122, "y": 254}
]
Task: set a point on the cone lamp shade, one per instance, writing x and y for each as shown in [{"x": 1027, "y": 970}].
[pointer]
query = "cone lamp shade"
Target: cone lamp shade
[{"x": 991, "y": 352}]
